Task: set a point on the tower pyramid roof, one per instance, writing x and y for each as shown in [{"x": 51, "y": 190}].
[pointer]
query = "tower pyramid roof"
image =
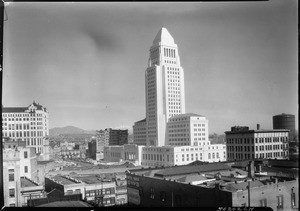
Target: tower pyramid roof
[{"x": 163, "y": 37}]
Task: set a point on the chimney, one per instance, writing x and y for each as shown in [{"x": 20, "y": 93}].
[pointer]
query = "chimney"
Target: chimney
[
  {"x": 251, "y": 169},
  {"x": 258, "y": 126}
]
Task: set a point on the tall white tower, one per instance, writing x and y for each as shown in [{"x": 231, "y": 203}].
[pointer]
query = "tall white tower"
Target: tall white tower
[{"x": 164, "y": 87}]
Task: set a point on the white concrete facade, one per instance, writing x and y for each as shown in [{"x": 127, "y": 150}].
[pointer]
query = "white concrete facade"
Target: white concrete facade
[
  {"x": 29, "y": 124},
  {"x": 187, "y": 130},
  {"x": 182, "y": 155},
  {"x": 164, "y": 83},
  {"x": 253, "y": 144}
]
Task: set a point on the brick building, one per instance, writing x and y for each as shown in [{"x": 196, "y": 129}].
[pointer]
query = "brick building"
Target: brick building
[{"x": 211, "y": 185}]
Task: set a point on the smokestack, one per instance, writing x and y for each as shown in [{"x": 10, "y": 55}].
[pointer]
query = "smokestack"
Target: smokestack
[{"x": 258, "y": 126}]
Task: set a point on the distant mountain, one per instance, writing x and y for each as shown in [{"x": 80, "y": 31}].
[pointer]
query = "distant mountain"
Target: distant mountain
[{"x": 68, "y": 130}]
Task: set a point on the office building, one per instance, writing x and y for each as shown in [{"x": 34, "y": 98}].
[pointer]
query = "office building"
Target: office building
[
  {"x": 285, "y": 121},
  {"x": 167, "y": 128},
  {"x": 164, "y": 80},
  {"x": 92, "y": 149},
  {"x": 109, "y": 137},
  {"x": 243, "y": 143},
  {"x": 211, "y": 185},
  {"x": 29, "y": 124},
  {"x": 187, "y": 130},
  {"x": 139, "y": 132}
]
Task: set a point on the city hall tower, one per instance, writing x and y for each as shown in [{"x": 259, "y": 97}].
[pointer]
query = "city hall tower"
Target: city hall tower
[{"x": 164, "y": 80}]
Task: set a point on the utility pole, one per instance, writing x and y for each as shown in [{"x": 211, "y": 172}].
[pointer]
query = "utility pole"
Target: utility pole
[{"x": 248, "y": 193}]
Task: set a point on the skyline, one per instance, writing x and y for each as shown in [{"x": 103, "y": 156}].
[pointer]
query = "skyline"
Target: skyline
[{"x": 255, "y": 42}]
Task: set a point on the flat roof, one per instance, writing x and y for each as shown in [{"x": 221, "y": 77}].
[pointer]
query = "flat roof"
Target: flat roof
[
  {"x": 186, "y": 115},
  {"x": 257, "y": 131},
  {"x": 66, "y": 204},
  {"x": 64, "y": 180},
  {"x": 25, "y": 182},
  {"x": 180, "y": 170},
  {"x": 243, "y": 185},
  {"x": 89, "y": 179}
]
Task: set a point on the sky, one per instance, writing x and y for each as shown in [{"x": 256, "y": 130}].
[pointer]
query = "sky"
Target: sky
[{"x": 86, "y": 62}]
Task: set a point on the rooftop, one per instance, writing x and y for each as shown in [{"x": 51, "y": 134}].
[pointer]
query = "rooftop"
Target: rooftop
[
  {"x": 13, "y": 109},
  {"x": 257, "y": 131},
  {"x": 25, "y": 182},
  {"x": 286, "y": 115},
  {"x": 64, "y": 180},
  {"x": 163, "y": 37},
  {"x": 182, "y": 170},
  {"x": 186, "y": 115},
  {"x": 66, "y": 204},
  {"x": 242, "y": 185},
  {"x": 92, "y": 179},
  {"x": 192, "y": 169},
  {"x": 22, "y": 109},
  {"x": 143, "y": 120}
]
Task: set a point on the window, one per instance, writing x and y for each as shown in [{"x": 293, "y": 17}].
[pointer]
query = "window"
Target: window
[
  {"x": 12, "y": 192},
  {"x": 151, "y": 193},
  {"x": 263, "y": 202},
  {"x": 26, "y": 169},
  {"x": 11, "y": 175},
  {"x": 280, "y": 202},
  {"x": 163, "y": 196}
]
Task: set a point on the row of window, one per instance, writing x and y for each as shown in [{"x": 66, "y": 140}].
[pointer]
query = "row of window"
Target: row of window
[
  {"x": 98, "y": 192},
  {"x": 21, "y": 115},
  {"x": 258, "y": 155},
  {"x": 170, "y": 62},
  {"x": 155, "y": 157},
  {"x": 257, "y": 140},
  {"x": 169, "y": 52}
]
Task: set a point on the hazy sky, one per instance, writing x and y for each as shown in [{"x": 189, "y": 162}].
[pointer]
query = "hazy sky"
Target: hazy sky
[{"x": 86, "y": 62}]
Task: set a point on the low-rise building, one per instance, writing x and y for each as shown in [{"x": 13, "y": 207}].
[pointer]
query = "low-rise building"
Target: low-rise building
[
  {"x": 182, "y": 155},
  {"x": 210, "y": 185},
  {"x": 30, "y": 190},
  {"x": 126, "y": 152},
  {"x": 243, "y": 143},
  {"x": 102, "y": 190}
]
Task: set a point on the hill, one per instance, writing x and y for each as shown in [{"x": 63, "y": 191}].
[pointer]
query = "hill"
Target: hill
[{"x": 68, "y": 130}]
